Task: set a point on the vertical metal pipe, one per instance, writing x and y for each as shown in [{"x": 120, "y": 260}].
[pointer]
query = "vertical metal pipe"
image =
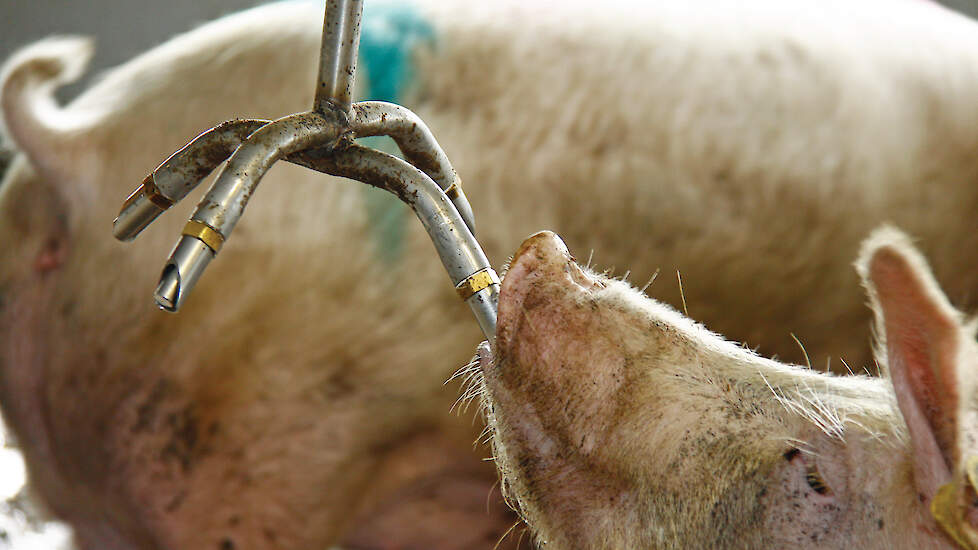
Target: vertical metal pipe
[{"x": 338, "y": 57}]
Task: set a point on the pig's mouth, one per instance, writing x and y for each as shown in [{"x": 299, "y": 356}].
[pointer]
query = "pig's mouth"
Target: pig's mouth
[
  {"x": 522, "y": 418},
  {"x": 483, "y": 365},
  {"x": 483, "y": 355}
]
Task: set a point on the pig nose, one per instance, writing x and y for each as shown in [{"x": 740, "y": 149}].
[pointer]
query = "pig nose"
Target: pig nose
[
  {"x": 541, "y": 256},
  {"x": 544, "y": 254},
  {"x": 544, "y": 247}
]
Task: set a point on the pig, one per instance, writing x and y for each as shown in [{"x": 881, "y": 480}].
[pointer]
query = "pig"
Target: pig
[
  {"x": 297, "y": 401},
  {"x": 619, "y": 423}
]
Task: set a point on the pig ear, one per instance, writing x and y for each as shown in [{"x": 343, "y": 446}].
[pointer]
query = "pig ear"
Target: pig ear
[
  {"x": 920, "y": 343},
  {"x": 32, "y": 118}
]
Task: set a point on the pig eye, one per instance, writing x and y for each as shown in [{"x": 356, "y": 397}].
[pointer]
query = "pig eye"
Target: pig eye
[
  {"x": 815, "y": 481},
  {"x": 812, "y": 477}
]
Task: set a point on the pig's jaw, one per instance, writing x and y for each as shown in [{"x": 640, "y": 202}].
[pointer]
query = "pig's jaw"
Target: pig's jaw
[
  {"x": 567, "y": 501},
  {"x": 526, "y": 423}
]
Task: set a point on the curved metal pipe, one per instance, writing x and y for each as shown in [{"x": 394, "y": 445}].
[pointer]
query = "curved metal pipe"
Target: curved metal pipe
[
  {"x": 321, "y": 139},
  {"x": 222, "y": 207},
  {"x": 460, "y": 253},
  {"x": 179, "y": 174},
  {"x": 226, "y": 200},
  {"x": 418, "y": 143}
]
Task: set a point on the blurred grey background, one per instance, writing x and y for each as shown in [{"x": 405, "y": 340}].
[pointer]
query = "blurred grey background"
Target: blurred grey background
[
  {"x": 125, "y": 27},
  {"x": 969, "y": 7}
]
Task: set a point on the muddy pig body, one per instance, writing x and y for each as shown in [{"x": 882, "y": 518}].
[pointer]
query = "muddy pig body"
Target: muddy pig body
[
  {"x": 297, "y": 400},
  {"x": 619, "y": 423}
]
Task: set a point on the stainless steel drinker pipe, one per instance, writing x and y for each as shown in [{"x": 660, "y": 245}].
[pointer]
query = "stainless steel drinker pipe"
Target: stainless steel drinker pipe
[{"x": 321, "y": 139}]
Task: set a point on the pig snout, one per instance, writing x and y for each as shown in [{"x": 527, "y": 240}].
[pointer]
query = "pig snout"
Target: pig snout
[
  {"x": 540, "y": 270},
  {"x": 546, "y": 314},
  {"x": 554, "y": 412}
]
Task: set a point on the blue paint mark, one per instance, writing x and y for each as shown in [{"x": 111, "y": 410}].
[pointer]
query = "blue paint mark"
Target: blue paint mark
[
  {"x": 389, "y": 33},
  {"x": 387, "y": 216}
]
